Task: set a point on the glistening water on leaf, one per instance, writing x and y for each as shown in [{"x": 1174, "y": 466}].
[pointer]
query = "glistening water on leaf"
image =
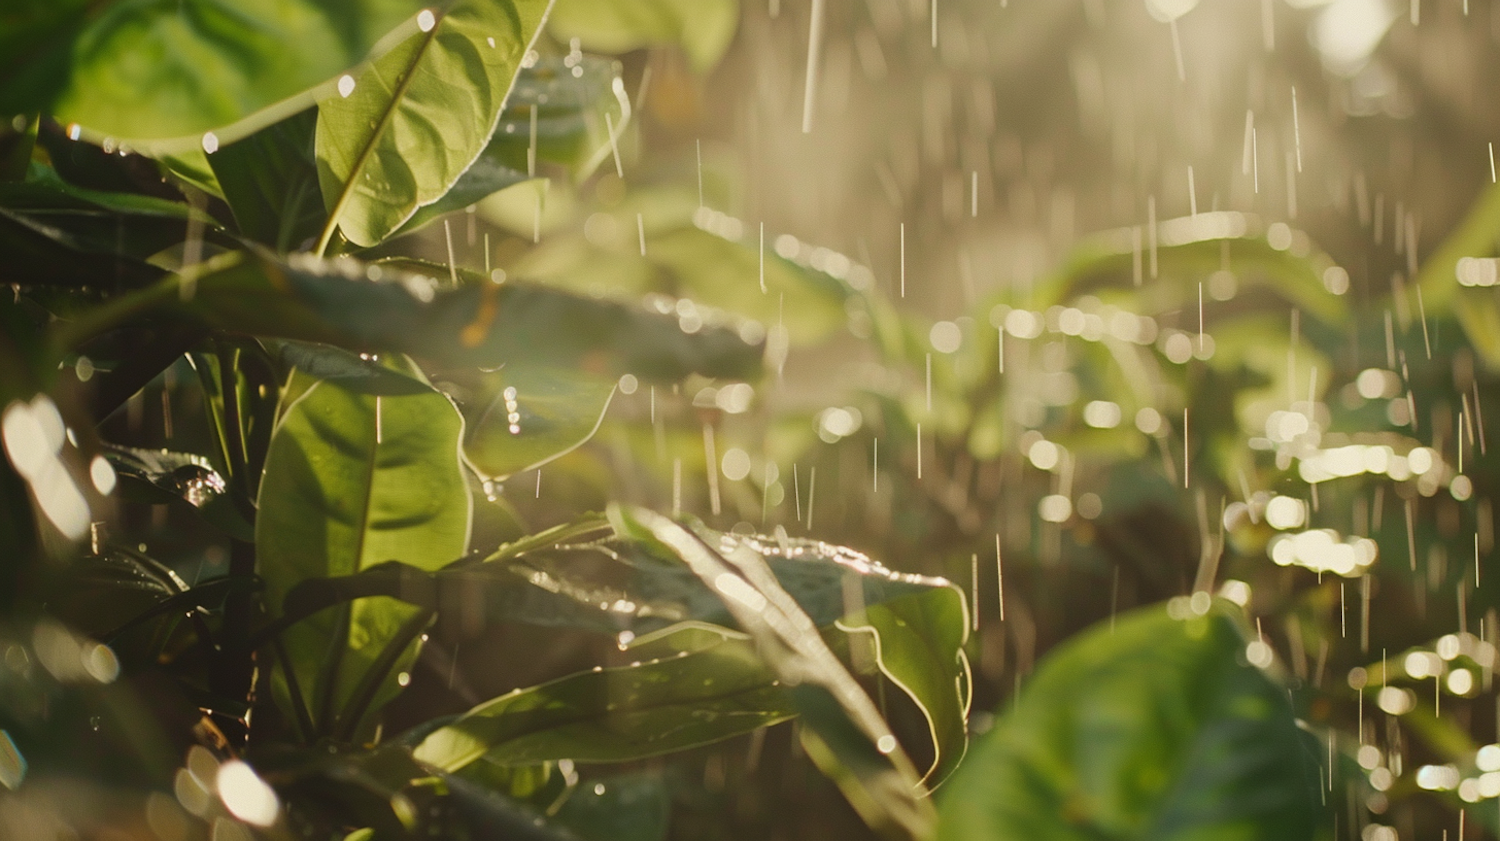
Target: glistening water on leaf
[
  {"x": 477, "y": 324},
  {"x": 418, "y": 116}
]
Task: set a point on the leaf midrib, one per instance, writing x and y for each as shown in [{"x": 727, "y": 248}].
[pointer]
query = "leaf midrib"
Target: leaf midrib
[{"x": 402, "y": 83}]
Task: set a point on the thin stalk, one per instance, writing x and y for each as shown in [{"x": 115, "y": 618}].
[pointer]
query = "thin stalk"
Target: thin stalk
[
  {"x": 369, "y": 684},
  {"x": 303, "y": 716}
]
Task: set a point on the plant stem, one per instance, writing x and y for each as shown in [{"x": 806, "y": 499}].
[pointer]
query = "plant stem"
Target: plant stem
[{"x": 369, "y": 685}]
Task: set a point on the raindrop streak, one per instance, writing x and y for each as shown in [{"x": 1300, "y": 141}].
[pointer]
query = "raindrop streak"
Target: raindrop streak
[
  {"x": 1184, "y": 447},
  {"x": 875, "y": 468},
  {"x": 1151, "y": 231},
  {"x": 1492, "y": 162},
  {"x": 1411, "y": 535},
  {"x": 1296, "y": 129},
  {"x": 812, "y": 488},
  {"x": 640, "y": 229},
  {"x": 934, "y": 24},
  {"x": 538, "y": 483},
  {"x": 1000, "y": 578},
  {"x": 1249, "y": 140},
  {"x": 796, "y": 492},
  {"x": 974, "y": 194},
  {"x": 699, "y": 146},
  {"x": 677, "y": 487},
  {"x": 919, "y": 451},
  {"x": 712, "y": 466},
  {"x": 1422, "y": 314},
  {"x": 762, "y": 258},
  {"x": 903, "y": 259},
  {"x": 1192, "y": 194},
  {"x": 614, "y": 144},
  {"x": 814, "y": 44},
  {"x": 452, "y": 263}
]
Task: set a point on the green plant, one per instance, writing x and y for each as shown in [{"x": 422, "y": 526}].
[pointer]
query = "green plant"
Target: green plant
[{"x": 234, "y": 247}]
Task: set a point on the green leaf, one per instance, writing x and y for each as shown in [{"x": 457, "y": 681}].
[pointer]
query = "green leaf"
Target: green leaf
[
  {"x": 568, "y": 99},
  {"x": 703, "y": 28},
  {"x": 847, "y": 737},
  {"x": 919, "y": 641},
  {"x": 477, "y": 324},
  {"x": 270, "y": 180},
  {"x": 419, "y": 115},
  {"x": 1191, "y": 249},
  {"x": 534, "y": 415},
  {"x": 353, "y": 480},
  {"x": 143, "y": 72},
  {"x": 1155, "y": 728},
  {"x": 618, "y": 714},
  {"x": 158, "y": 476},
  {"x": 619, "y": 585},
  {"x": 57, "y": 233},
  {"x": 622, "y": 807}
]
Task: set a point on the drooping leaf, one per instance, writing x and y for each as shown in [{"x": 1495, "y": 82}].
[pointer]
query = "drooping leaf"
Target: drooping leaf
[
  {"x": 1153, "y": 728},
  {"x": 158, "y": 476},
  {"x": 141, "y": 72},
  {"x": 270, "y": 180},
  {"x": 419, "y": 115},
  {"x": 846, "y": 735},
  {"x": 533, "y": 416},
  {"x": 918, "y": 643},
  {"x": 619, "y": 585},
  {"x": 353, "y": 480},
  {"x": 611, "y": 715},
  {"x": 566, "y": 100},
  {"x": 477, "y": 324},
  {"x": 703, "y": 28}
]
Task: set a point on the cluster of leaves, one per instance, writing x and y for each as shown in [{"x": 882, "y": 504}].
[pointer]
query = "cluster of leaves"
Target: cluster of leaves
[
  {"x": 245, "y": 225},
  {"x": 364, "y": 404}
]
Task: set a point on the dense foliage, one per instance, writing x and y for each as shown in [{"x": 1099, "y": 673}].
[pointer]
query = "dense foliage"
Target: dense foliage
[{"x": 357, "y": 408}]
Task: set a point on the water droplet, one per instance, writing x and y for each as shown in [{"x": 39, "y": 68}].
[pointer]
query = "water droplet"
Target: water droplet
[
  {"x": 210, "y": 142},
  {"x": 426, "y": 20},
  {"x": 346, "y": 85}
]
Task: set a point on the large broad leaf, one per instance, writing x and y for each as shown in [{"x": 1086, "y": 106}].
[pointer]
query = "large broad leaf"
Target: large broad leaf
[
  {"x": 418, "y": 116},
  {"x": 846, "y": 735},
  {"x": 270, "y": 180},
  {"x": 534, "y": 415},
  {"x": 353, "y": 480},
  {"x": 909, "y": 627},
  {"x": 703, "y": 28},
  {"x": 715, "y": 690},
  {"x": 478, "y": 323},
  {"x": 556, "y": 114},
  {"x": 1154, "y": 728},
  {"x": 143, "y": 72}
]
